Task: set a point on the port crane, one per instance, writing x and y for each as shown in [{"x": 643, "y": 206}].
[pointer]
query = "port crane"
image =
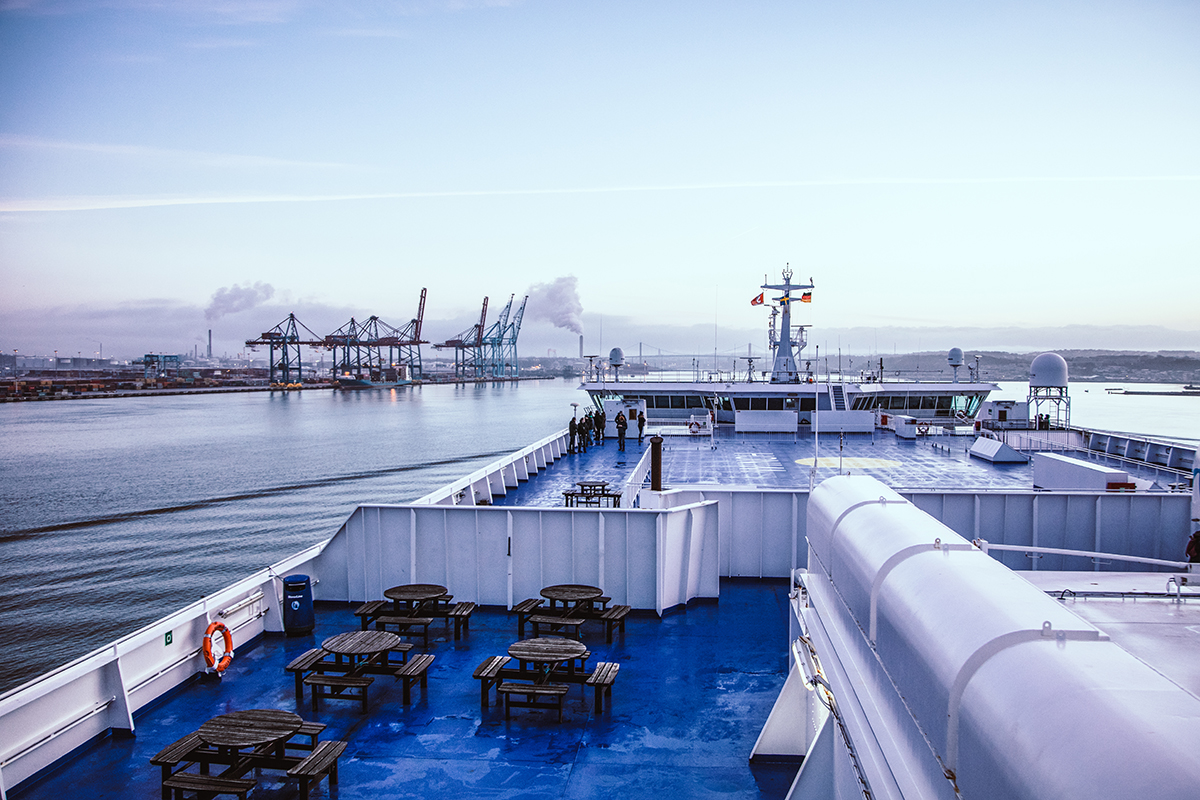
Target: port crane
[
  {"x": 285, "y": 341},
  {"x": 468, "y": 348},
  {"x": 358, "y": 348},
  {"x": 501, "y": 342}
]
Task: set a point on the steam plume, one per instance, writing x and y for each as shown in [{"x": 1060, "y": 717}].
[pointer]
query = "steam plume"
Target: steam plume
[
  {"x": 557, "y": 303},
  {"x": 229, "y": 300}
]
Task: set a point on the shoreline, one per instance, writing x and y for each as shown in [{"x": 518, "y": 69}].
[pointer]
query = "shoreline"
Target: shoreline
[{"x": 242, "y": 389}]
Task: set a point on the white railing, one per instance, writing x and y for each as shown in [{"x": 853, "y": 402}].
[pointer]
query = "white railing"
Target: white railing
[
  {"x": 495, "y": 479},
  {"x": 1075, "y": 441},
  {"x": 637, "y": 479},
  {"x": 985, "y": 546},
  {"x": 45, "y": 719}
]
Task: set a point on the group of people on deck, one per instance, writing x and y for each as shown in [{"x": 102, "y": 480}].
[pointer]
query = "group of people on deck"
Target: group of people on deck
[{"x": 590, "y": 429}]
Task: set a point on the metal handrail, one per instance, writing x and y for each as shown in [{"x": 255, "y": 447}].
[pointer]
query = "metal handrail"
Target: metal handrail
[{"x": 985, "y": 546}]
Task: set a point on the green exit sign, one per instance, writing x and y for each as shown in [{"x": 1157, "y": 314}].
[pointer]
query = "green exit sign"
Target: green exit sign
[{"x": 167, "y": 638}]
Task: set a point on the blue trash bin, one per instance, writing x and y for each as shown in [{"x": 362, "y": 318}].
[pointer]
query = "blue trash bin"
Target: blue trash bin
[{"x": 297, "y": 605}]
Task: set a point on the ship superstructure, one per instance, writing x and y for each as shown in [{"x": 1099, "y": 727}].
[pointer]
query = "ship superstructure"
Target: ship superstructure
[{"x": 786, "y": 391}]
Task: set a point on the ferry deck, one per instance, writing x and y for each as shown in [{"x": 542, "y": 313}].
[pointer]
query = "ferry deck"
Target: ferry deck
[{"x": 695, "y": 689}]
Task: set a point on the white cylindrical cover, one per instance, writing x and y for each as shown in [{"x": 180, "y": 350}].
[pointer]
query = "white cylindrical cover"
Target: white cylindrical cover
[{"x": 1037, "y": 717}]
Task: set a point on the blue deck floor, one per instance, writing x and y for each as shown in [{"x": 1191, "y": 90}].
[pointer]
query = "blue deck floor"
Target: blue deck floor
[
  {"x": 774, "y": 463},
  {"x": 693, "y": 692}
]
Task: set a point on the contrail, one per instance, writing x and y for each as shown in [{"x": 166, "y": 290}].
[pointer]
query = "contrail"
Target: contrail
[{"x": 103, "y": 202}]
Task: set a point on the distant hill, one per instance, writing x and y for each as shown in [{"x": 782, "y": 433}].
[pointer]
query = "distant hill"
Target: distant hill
[{"x": 1164, "y": 366}]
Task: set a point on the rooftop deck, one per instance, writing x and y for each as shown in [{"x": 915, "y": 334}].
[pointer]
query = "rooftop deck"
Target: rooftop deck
[
  {"x": 693, "y": 692},
  {"x": 775, "y": 462}
]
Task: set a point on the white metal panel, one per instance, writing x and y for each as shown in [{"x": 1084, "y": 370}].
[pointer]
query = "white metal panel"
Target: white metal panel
[{"x": 528, "y": 571}]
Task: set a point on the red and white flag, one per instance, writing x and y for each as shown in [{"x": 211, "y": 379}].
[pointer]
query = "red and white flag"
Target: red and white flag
[{"x": 758, "y": 301}]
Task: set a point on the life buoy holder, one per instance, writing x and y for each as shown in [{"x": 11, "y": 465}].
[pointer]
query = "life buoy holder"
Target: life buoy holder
[
  {"x": 227, "y": 656},
  {"x": 693, "y": 427}
]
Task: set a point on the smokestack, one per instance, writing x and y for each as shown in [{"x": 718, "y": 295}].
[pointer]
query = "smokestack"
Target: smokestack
[
  {"x": 210, "y": 342},
  {"x": 581, "y": 345}
]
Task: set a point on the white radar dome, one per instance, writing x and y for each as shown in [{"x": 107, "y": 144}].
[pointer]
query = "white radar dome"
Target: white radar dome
[
  {"x": 616, "y": 357},
  {"x": 955, "y": 357},
  {"x": 1048, "y": 370}
]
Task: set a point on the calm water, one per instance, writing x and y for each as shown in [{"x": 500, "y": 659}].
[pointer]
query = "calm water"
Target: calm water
[{"x": 113, "y": 513}]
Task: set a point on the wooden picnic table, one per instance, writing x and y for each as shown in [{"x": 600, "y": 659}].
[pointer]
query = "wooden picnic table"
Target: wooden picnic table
[
  {"x": 573, "y": 498},
  {"x": 414, "y": 595},
  {"x": 572, "y": 597},
  {"x": 540, "y": 657},
  {"x": 592, "y": 487},
  {"x": 254, "y": 727},
  {"x": 266, "y": 732},
  {"x": 366, "y": 651}
]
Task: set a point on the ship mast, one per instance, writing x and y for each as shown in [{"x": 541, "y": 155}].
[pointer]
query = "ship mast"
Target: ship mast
[{"x": 784, "y": 368}]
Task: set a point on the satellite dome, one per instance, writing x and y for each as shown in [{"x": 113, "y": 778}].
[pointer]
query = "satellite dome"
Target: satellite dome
[
  {"x": 955, "y": 357},
  {"x": 616, "y": 357},
  {"x": 1049, "y": 370}
]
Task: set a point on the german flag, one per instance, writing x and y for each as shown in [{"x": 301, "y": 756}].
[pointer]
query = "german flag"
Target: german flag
[{"x": 806, "y": 297}]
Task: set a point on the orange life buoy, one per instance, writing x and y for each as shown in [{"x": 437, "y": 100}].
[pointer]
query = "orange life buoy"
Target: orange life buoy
[
  {"x": 693, "y": 427},
  {"x": 208, "y": 648}
]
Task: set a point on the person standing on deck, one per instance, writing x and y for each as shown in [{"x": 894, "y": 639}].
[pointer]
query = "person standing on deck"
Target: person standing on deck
[
  {"x": 641, "y": 425},
  {"x": 622, "y": 425},
  {"x": 1193, "y": 548},
  {"x": 601, "y": 420},
  {"x": 585, "y": 432},
  {"x": 572, "y": 432}
]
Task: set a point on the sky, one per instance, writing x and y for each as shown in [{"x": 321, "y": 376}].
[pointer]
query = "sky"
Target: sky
[{"x": 1014, "y": 175}]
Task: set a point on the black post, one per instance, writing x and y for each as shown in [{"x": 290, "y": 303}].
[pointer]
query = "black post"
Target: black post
[{"x": 656, "y": 463}]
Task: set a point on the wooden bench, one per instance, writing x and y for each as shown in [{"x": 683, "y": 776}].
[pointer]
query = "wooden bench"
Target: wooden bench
[
  {"x": 461, "y": 614},
  {"x": 339, "y": 687},
  {"x": 524, "y": 610},
  {"x": 613, "y": 617},
  {"x": 602, "y": 678},
  {"x": 310, "y": 729},
  {"x": 415, "y": 669},
  {"x": 207, "y": 785},
  {"x": 554, "y": 692},
  {"x": 404, "y": 625},
  {"x": 555, "y": 623},
  {"x": 321, "y": 762},
  {"x": 488, "y": 675},
  {"x": 303, "y": 664},
  {"x": 367, "y": 612},
  {"x": 176, "y": 753}
]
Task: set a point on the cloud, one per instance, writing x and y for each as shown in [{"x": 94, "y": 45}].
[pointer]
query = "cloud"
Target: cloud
[
  {"x": 101, "y": 202},
  {"x": 237, "y": 298},
  {"x": 557, "y": 303}
]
